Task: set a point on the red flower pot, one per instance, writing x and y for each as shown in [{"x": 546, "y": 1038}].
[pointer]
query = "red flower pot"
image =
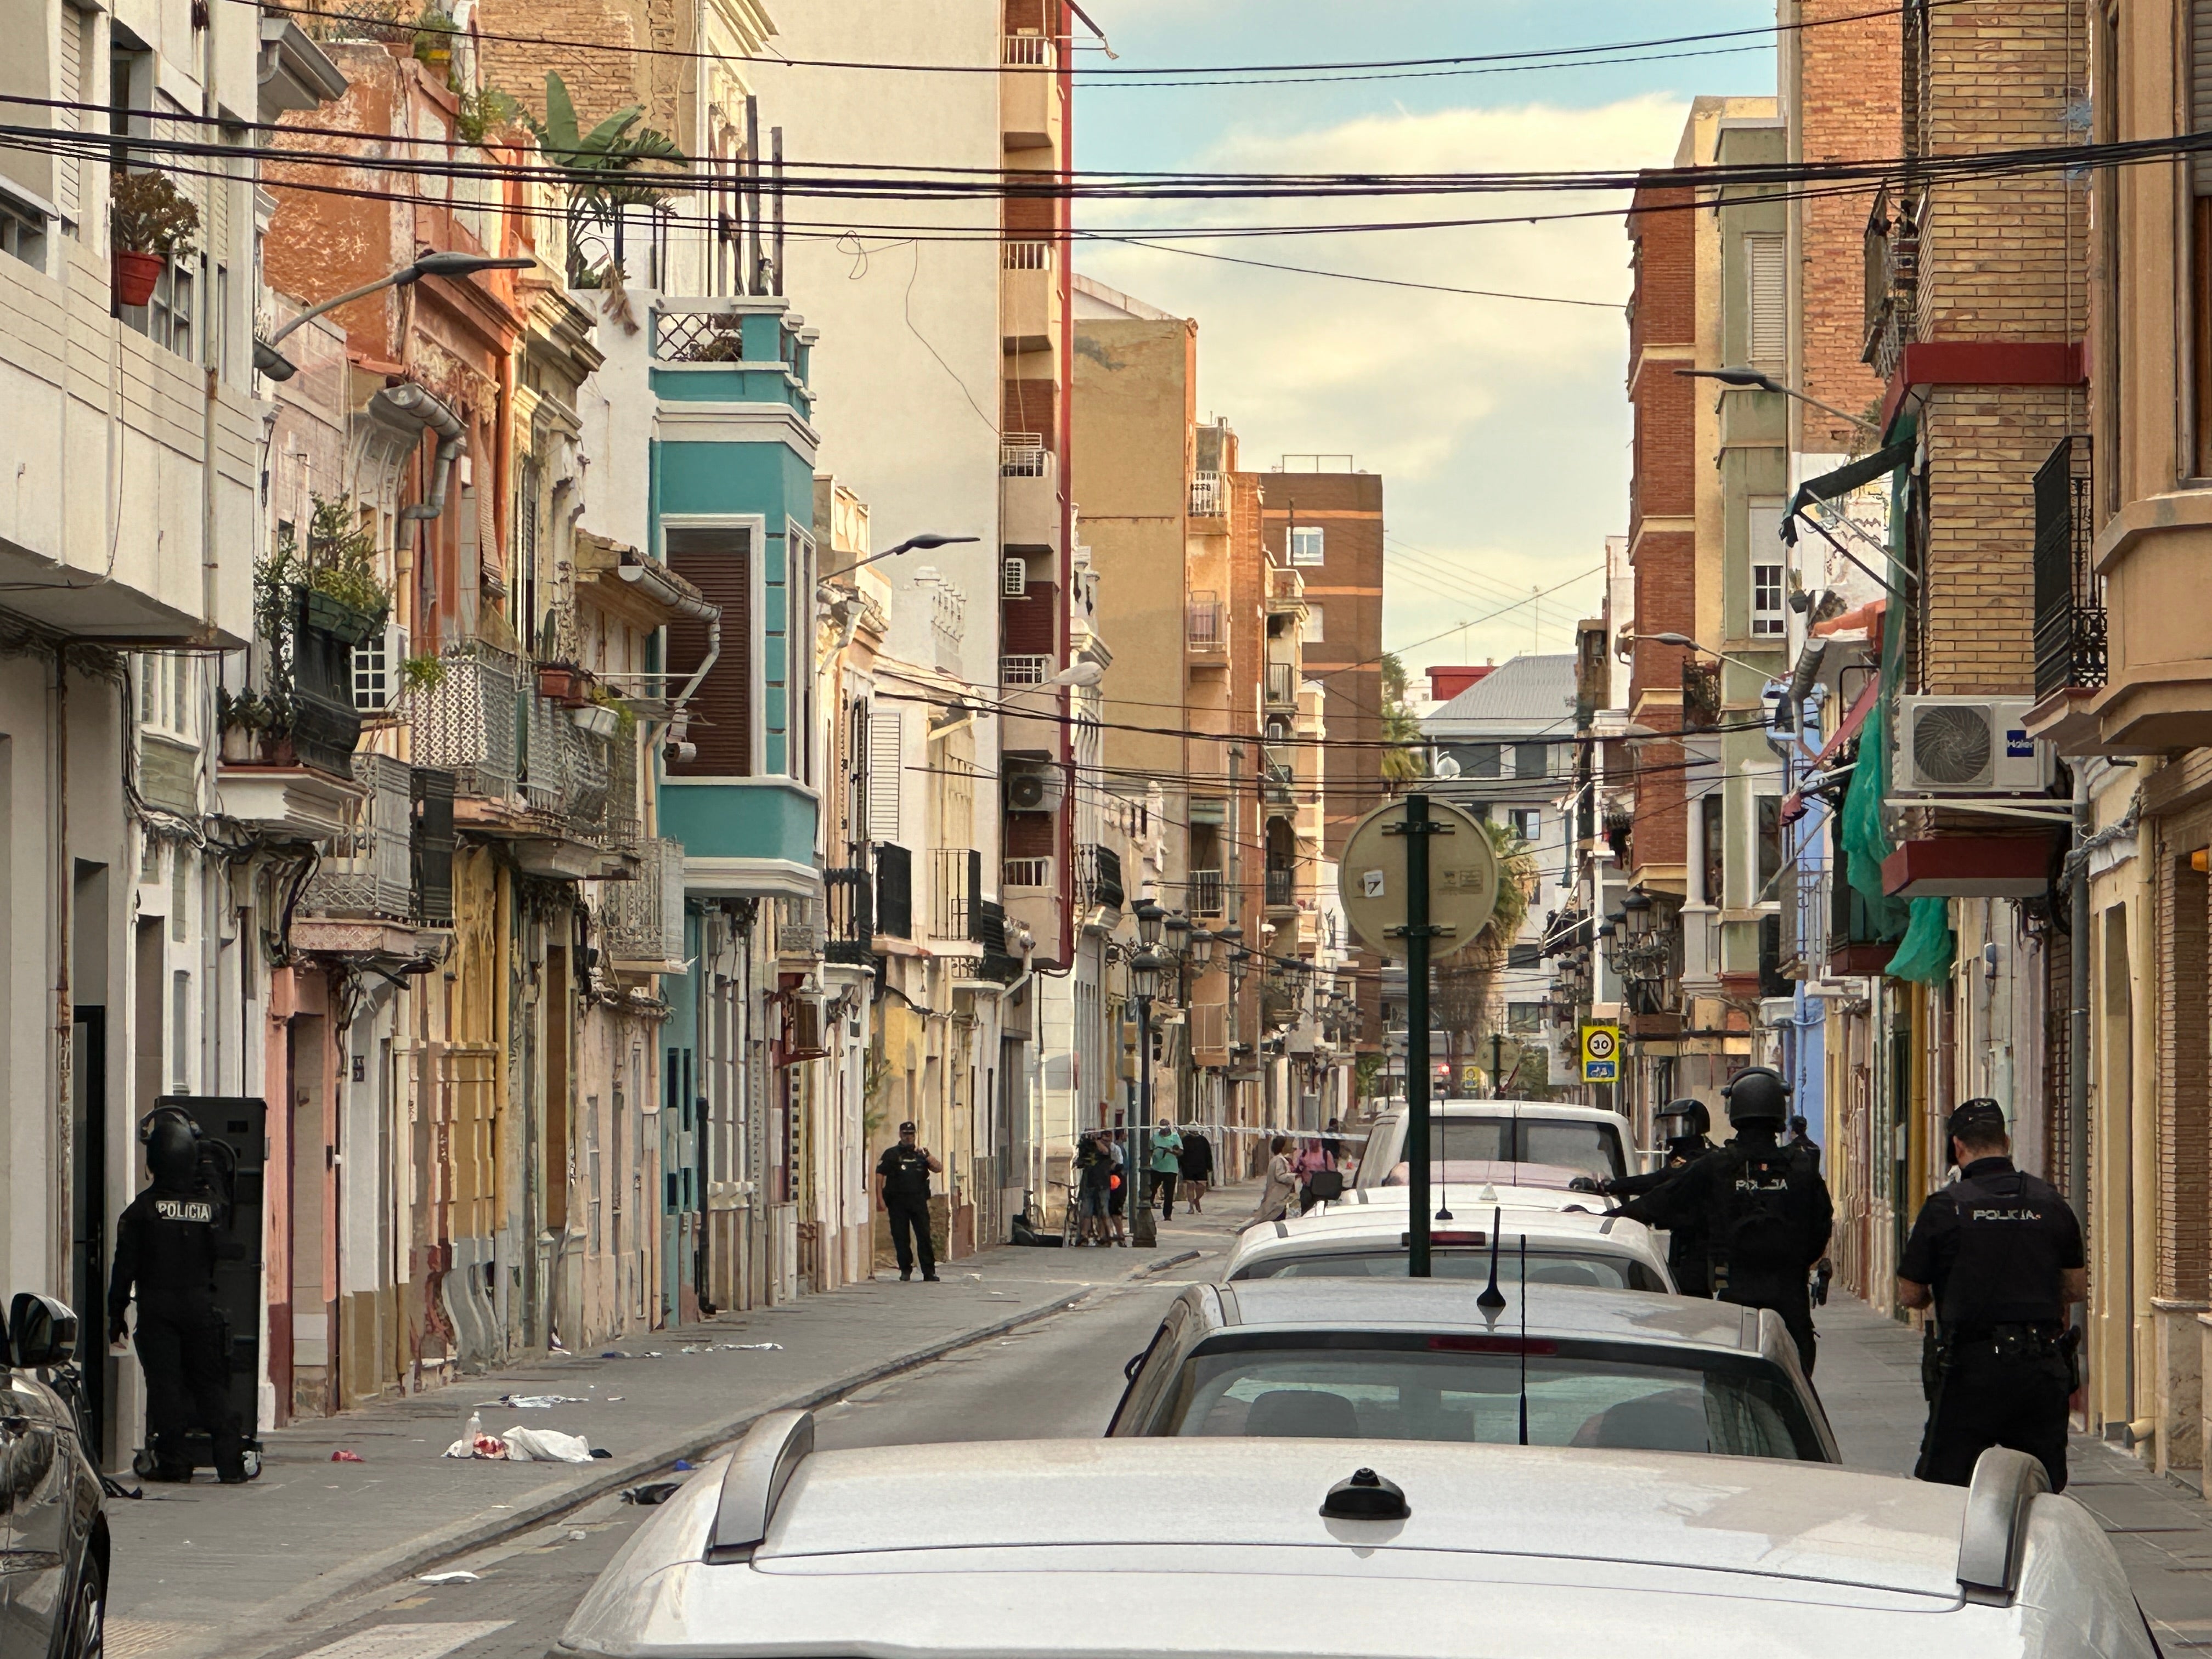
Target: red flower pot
[{"x": 136, "y": 275}]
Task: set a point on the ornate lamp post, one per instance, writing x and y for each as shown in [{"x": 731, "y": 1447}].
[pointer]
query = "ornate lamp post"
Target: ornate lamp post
[{"x": 1147, "y": 970}]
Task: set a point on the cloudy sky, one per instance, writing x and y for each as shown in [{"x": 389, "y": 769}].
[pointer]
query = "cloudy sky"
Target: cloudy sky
[{"x": 1499, "y": 426}]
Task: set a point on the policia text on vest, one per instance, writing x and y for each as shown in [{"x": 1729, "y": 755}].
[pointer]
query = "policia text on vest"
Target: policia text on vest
[{"x": 1998, "y": 1256}]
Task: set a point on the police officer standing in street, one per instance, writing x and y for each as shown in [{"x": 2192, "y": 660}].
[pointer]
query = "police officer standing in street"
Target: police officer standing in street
[
  {"x": 903, "y": 1192},
  {"x": 1684, "y": 1123},
  {"x": 167, "y": 1246},
  {"x": 1998, "y": 1254},
  {"x": 1762, "y": 1208}
]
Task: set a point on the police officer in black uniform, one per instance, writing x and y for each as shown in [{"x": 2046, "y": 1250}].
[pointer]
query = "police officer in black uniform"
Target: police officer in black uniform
[
  {"x": 1684, "y": 1123},
  {"x": 1763, "y": 1208},
  {"x": 903, "y": 1192},
  {"x": 167, "y": 1246},
  {"x": 1998, "y": 1256}
]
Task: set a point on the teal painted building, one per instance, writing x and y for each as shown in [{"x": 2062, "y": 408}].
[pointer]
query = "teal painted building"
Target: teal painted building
[{"x": 731, "y": 505}]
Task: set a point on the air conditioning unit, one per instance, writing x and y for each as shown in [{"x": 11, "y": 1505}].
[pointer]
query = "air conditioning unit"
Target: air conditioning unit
[
  {"x": 1969, "y": 746},
  {"x": 1033, "y": 786},
  {"x": 380, "y": 671}
]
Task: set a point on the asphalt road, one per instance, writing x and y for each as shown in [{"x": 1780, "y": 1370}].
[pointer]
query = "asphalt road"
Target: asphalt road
[{"x": 1058, "y": 1377}]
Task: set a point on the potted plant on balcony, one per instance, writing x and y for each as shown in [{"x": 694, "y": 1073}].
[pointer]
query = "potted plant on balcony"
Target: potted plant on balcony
[
  {"x": 603, "y": 714},
  {"x": 151, "y": 221},
  {"x": 563, "y": 683}
]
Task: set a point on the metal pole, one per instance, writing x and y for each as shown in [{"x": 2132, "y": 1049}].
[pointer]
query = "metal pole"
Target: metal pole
[
  {"x": 1417, "y": 1035},
  {"x": 1497, "y": 1065},
  {"x": 1142, "y": 1234},
  {"x": 2077, "y": 1034}
]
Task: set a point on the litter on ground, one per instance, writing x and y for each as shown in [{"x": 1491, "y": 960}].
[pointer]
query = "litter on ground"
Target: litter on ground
[{"x": 447, "y": 1578}]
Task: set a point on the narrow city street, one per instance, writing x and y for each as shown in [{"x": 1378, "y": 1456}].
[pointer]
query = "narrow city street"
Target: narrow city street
[{"x": 319, "y": 1560}]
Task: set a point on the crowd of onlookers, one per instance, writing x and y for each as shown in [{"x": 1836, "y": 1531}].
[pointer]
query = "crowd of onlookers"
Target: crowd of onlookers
[{"x": 1300, "y": 1172}]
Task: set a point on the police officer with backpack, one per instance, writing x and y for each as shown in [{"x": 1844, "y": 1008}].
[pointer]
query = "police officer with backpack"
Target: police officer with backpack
[
  {"x": 1684, "y": 1123},
  {"x": 1762, "y": 1206},
  {"x": 1998, "y": 1254}
]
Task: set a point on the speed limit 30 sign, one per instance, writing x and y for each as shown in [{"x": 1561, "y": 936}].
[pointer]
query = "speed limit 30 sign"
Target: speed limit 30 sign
[{"x": 1601, "y": 1053}]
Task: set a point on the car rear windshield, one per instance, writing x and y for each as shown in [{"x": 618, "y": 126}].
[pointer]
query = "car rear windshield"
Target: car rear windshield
[
  {"x": 1583, "y": 1147},
  {"x": 1393, "y": 1385},
  {"x": 1546, "y": 1266}
]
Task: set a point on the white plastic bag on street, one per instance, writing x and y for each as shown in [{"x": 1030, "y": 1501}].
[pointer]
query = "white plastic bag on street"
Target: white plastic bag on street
[{"x": 546, "y": 1446}]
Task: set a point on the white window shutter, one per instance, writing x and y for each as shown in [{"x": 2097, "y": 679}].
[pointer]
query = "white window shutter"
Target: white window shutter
[
  {"x": 71, "y": 90},
  {"x": 886, "y": 762},
  {"x": 1766, "y": 263}
]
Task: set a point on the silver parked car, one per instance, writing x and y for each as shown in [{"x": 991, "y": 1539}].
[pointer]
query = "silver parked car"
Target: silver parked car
[
  {"x": 53, "y": 1527},
  {"x": 1415, "y": 1359},
  {"x": 1234, "y": 1549}
]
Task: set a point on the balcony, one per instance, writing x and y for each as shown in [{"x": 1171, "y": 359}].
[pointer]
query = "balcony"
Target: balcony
[
  {"x": 1029, "y": 295},
  {"x": 2071, "y": 657},
  {"x": 1701, "y": 695},
  {"x": 643, "y": 920},
  {"x": 1286, "y": 592},
  {"x": 1204, "y": 630},
  {"x": 1892, "y": 280},
  {"x": 389, "y": 872},
  {"x": 1206, "y": 893},
  {"x": 850, "y": 896},
  {"x": 1209, "y": 497},
  {"x": 465, "y": 723},
  {"x": 956, "y": 885},
  {"x": 999, "y": 962},
  {"x": 1028, "y": 92},
  {"x": 724, "y": 350},
  {"x": 1098, "y": 877},
  {"x": 1282, "y": 889},
  {"x": 1029, "y": 491},
  {"x": 1282, "y": 685},
  {"x": 1034, "y": 874}
]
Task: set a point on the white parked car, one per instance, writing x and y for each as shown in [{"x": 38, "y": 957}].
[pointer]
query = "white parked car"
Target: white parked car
[
  {"x": 1423, "y": 1360},
  {"x": 1523, "y": 1143},
  {"x": 1359, "y": 1241},
  {"x": 1234, "y": 1549}
]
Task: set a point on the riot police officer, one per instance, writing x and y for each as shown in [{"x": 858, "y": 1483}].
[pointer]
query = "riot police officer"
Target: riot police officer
[
  {"x": 1763, "y": 1208},
  {"x": 1998, "y": 1256},
  {"x": 167, "y": 1247},
  {"x": 1684, "y": 1123}
]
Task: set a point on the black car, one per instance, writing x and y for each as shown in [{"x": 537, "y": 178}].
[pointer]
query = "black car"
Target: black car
[{"x": 54, "y": 1526}]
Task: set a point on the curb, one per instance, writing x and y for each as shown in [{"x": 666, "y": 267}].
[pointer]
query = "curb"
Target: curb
[{"x": 418, "y": 1554}]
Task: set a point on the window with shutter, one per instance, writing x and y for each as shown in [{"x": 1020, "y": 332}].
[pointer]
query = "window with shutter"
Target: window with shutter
[
  {"x": 717, "y": 561},
  {"x": 1030, "y": 621},
  {"x": 67, "y": 195},
  {"x": 886, "y": 760},
  {"x": 1766, "y": 270}
]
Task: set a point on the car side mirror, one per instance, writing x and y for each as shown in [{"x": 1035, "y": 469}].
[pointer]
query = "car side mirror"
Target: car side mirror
[
  {"x": 41, "y": 1332},
  {"x": 1326, "y": 1185}
]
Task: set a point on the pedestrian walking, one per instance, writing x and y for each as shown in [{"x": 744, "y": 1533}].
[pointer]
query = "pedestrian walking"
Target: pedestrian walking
[
  {"x": 1197, "y": 1161},
  {"x": 1282, "y": 1184},
  {"x": 1686, "y": 1124},
  {"x": 1801, "y": 1139},
  {"x": 903, "y": 1192},
  {"x": 1763, "y": 1207},
  {"x": 1332, "y": 1143},
  {"x": 1166, "y": 1166},
  {"x": 1094, "y": 1181},
  {"x": 1998, "y": 1256},
  {"x": 1117, "y": 1196}
]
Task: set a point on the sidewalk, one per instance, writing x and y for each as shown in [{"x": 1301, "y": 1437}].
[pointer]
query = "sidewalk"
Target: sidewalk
[
  {"x": 204, "y": 1569},
  {"x": 1869, "y": 1380}
]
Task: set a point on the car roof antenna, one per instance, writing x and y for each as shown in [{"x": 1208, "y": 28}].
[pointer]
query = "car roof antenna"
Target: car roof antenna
[
  {"x": 1492, "y": 1300},
  {"x": 1524, "y": 1335}
]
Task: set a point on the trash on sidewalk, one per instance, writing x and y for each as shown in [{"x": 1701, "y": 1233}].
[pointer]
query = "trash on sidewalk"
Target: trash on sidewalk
[
  {"x": 478, "y": 1445},
  {"x": 546, "y": 1446},
  {"x": 653, "y": 1492},
  {"x": 448, "y": 1578},
  {"x": 614, "y": 1353},
  {"x": 343, "y": 1457},
  {"x": 532, "y": 1403},
  {"x": 685, "y": 1463}
]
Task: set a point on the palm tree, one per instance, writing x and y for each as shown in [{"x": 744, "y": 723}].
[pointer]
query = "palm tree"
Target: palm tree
[{"x": 607, "y": 170}]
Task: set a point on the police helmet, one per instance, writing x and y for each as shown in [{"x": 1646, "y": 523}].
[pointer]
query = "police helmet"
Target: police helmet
[
  {"x": 1757, "y": 1095},
  {"x": 172, "y": 1146},
  {"x": 1684, "y": 1120}
]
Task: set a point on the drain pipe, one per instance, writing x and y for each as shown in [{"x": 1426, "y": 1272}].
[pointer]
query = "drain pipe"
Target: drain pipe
[
  {"x": 412, "y": 400},
  {"x": 656, "y": 585}
]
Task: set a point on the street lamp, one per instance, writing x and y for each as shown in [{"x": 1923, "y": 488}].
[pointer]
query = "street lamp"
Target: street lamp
[
  {"x": 1150, "y": 919},
  {"x": 1688, "y": 644},
  {"x": 1147, "y": 969},
  {"x": 920, "y": 544},
  {"x": 1752, "y": 379},
  {"x": 277, "y": 366}
]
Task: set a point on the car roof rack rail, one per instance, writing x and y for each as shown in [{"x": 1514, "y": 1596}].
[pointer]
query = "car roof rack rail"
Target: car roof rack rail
[
  {"x": 1993, "y": 1539},
  {"x": 753, "y": 1485}
]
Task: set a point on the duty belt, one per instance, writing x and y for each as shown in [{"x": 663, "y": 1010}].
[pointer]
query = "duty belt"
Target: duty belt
[{"x": 2012, "y": 1341}]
